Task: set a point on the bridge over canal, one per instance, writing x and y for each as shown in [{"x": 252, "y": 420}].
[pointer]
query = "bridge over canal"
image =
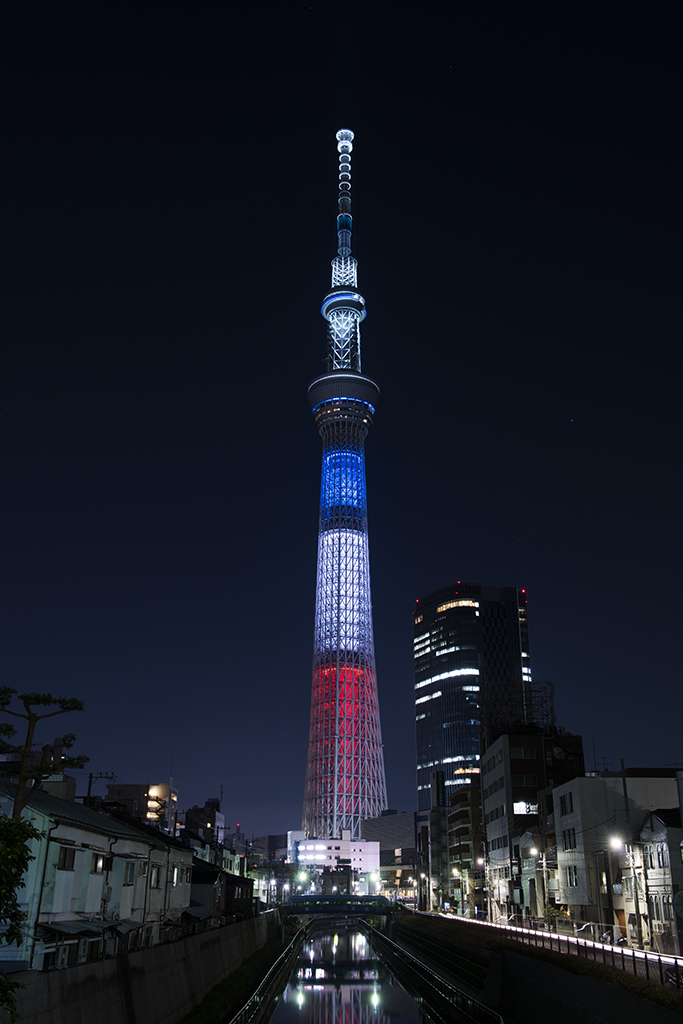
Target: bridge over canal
[{"x": 338, "y": 905}]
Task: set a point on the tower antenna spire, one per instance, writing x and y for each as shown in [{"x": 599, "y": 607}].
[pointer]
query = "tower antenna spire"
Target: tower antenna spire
[
  {"x": 344, "y": 306},
  {"x": 345, "y": 145},
  {"x": 345, "y": 782}
]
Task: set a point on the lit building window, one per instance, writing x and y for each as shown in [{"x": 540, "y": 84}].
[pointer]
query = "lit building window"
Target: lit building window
[
  {"x": 448, "y": 675},
  {"x": 463, "y": 602},
  {"x": 430, "y": 696}
]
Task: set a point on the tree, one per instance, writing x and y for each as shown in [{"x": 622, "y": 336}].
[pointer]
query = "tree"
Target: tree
[
  {"x": 29, "y": 770},
  {"x": 15, "y": 836}
]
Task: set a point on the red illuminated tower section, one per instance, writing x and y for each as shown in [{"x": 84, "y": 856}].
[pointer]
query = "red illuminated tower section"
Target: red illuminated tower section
[{"x": 345, "y": 780}]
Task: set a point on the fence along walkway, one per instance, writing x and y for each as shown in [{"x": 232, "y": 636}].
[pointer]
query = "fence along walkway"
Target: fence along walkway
[{"x": 657, "y": 967}]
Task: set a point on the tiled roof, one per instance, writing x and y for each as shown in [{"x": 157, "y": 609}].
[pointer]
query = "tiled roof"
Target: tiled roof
[{"x": 70, "y": 813}]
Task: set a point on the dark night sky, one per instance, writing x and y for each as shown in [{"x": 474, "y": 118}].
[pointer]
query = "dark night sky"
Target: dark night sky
[{"x": 168, "y": 218}]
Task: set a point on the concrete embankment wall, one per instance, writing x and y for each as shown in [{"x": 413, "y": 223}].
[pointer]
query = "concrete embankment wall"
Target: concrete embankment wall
[
  {"x": 535, "y": 991},
  {"x": 527, "y": 990},
  {"x": 153, "y": 986}
]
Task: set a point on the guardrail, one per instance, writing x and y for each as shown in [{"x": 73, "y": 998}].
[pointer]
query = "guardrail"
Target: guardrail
[
  {"x": 268, "y": 989},
  {"x": 427, "y": 988},
  {"x": 657, "y": 967}
]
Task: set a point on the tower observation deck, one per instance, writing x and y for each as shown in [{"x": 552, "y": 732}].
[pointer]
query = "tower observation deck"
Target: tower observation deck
[{"x": 345, "y": 780}]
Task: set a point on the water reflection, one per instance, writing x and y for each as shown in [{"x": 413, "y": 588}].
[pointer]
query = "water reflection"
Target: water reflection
[{"x": 338, "y": 980}]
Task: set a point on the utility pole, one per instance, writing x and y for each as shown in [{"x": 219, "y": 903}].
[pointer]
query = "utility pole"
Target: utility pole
[
  {"x": 546, "y": 901},
  {"x": 630, "y": 850},
  {"x": 92, "y": 777}
]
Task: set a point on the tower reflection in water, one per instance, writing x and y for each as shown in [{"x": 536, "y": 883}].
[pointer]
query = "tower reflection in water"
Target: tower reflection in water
[{"x": 338, "y": 980}]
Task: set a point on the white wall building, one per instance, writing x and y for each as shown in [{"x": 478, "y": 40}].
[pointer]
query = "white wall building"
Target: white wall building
[
  {"x": 661, "y": 846},
  {"x": 95, "y": 885},
  {"x": 356, "y": 854},
  {"x": 593, "y": 871}
]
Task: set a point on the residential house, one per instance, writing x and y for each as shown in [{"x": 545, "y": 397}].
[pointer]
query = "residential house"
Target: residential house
[
  {"x": 598, "y": 820},
  {"x": 95, "y": 886},
  {"x": 660, "y": 838}
]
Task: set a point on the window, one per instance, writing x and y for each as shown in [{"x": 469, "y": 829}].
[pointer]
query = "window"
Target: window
[
  {"x": 94, "y": 949},
  {"x": 175, "y": 875},
  {"x": 66, "y": 858},
  {"x": 569, "y": 839},
  {"x": 142, "y": 869},
  {"x": 154, "y": 877},
  {"x": 523, "y": 753},
  {"x": 572, "y": 875},
  {"x": 101, "y": 863},
  {"x": 462, "y": 603},
  {"x": 566, "y": 803},
  {"x": 129, "y": 872}
]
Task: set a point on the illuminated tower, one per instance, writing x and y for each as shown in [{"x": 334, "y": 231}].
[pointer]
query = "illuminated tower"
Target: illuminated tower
[{"x": 345, "y": 780}]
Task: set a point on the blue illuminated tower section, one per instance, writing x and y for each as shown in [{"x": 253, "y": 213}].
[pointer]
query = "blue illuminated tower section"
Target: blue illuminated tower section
[{"x": 345, "y": 780}]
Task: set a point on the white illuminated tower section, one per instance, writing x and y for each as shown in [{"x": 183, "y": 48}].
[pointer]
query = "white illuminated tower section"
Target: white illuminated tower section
[{"x": 345, "y": 780}]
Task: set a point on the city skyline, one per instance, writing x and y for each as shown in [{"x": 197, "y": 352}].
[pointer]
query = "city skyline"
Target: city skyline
[{"x": 167, "y": 214}]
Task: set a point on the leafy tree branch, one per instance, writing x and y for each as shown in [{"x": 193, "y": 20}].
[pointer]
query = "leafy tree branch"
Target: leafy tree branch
[
  {"x": 15, "y": 836},
  {"x": 29, "y": 772}
]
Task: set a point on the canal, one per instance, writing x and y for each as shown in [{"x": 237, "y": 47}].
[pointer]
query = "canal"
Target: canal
[{"x": 338, "y": 978}]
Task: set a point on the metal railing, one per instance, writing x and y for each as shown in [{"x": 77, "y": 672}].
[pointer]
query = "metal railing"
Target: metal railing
[
  {"x": 657, "y": 967},
  {"x": 438, "y": 998},
  {"x": 268, "y": 989}
]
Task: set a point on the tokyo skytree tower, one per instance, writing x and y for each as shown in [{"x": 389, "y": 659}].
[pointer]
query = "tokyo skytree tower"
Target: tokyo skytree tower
[{"x": 345, "y": 780}]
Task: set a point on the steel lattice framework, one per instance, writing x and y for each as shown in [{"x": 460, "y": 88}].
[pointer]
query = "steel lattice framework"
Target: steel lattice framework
[{"x": 345, "y": 780}]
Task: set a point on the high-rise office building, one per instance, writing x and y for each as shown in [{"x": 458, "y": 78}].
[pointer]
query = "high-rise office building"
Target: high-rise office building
[
  {"x": 465, "y": 637},
  {"x": 345, "y": 780}
]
